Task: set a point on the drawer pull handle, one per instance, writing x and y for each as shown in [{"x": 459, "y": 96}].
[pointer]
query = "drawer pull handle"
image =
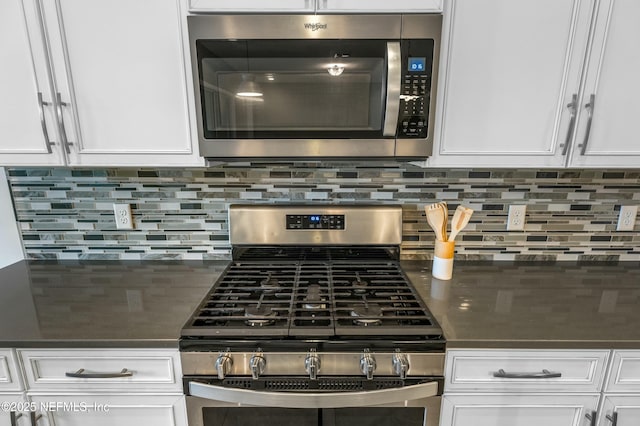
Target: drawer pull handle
[
  {"x": 34, "y": 417},
  {"x": 613, "y": 418},
  {"x": 546, "y": 374},
  {"x": 592, "y": 417},
  {"x": 82, "y": 375}
]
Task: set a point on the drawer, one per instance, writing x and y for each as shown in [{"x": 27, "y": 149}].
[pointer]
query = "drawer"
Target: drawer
[
  {"x": 625, "y": 372},
  {"x": 10, "y": 379},
  {"x": 525, "y": 370},
  {"x": 102, "y": 369}
]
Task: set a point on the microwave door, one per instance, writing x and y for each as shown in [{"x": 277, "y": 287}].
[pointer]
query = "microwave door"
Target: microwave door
[{"x": 394, "y": 76}]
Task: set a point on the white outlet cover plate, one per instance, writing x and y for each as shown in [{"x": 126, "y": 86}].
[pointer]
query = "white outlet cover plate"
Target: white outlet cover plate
[
  {"x": 517, "y": 217},
  {"x": 627, "y": 218},
  {"x": 123, "y": 217}
]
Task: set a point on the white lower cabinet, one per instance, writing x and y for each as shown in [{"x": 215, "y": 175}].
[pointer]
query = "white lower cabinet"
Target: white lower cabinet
[
  {"x": 9, "y": 416},
  {"x": 620, "y": 404},
  {"x": 518, "y": 409},
  {"x": 104, "y": 387},
  {"x": 620, "y": 410},
  {"x": 497, "y": 387},
  {"x": 112, "y": 410}
]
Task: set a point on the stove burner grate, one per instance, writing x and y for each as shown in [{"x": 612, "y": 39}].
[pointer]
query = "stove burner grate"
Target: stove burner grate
[{"x": 312, "y": 298}]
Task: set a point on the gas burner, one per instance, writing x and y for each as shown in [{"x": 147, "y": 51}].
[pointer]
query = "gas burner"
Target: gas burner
[
  {"x": 367, "y": 314},
  {"x": 259, "y": 316},
  {"x": 270, "y": 284},
  {"x": 359, "y": 285},
  {"x": 313, "y": 300}
]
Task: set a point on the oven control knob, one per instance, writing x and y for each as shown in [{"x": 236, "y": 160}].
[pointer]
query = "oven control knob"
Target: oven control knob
[
  {"x": 312, "y": 364},
  {"x": 367, "y": 364},
  {"x": 257, "y": 363},
  {"x": 223, "y": 364},
  {"x": 400, "y": 364}
]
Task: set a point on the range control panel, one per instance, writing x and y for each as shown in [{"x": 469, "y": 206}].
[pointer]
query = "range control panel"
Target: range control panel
[
  {"x": 315, "y": 221},
  {"x": 415, "y": 93}
]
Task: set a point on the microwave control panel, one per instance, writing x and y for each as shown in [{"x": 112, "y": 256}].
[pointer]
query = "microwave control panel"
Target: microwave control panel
[{"x": 415, "y": 91}]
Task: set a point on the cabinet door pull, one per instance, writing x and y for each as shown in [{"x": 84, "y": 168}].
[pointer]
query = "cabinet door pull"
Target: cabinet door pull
[
  {"x": 545, "y": 374},
  {"x": 63, "y": 132},
  {"x": 592, "y": 417},
  {"x": 573, "y": 105},
  {"x": 613, "y": 418},
  {"x": 13, "y": 416},
  {"x": 34, "y": 418},
  {"x": 589, "y": 107},
  {"x": 43, "y": 122},
  {"x": 82, "y": 375}
]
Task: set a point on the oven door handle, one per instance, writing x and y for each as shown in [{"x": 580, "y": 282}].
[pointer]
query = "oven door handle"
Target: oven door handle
[{"x": 313, "y": 400}]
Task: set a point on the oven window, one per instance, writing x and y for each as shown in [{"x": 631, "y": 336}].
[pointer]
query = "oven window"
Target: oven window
[
  {"x": 374, "y": 416},
  {"x": 239, "y": 416},
  {"x": 292, "y": 88},
  {"x": 370, "y": 416}
]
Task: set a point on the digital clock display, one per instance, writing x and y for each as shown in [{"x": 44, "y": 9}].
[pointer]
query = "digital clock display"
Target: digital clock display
[
  {"x": 417, "y": 64},
  {"x": 315, "y": 221}
]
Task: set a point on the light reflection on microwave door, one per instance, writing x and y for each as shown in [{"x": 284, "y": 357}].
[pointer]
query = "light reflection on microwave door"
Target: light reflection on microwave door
[
  {"x": 335, "y": 69},
  {"x": 248, "y": 88}
]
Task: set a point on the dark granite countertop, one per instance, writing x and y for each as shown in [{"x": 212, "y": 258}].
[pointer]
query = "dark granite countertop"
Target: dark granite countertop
[
  {"x": 511, "y": 305},
  {"x": 93, "y": 304},
  {"x": 485, "y": 305}
]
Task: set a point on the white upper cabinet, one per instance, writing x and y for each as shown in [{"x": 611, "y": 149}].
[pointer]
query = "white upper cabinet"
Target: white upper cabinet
[
  {"x": 27, "y": 121},
  {"x": 312, "y": 6},
  {"x": 516, "y": 96},
  {"x": 609, "y": 112},
  {"x": 379, "y": 6},
  {"x": 511, "y": 73},
  {"x": 113, "y": 81},
  {"x": 252, "y": 6},
  {"x": 120, "y": 71}
]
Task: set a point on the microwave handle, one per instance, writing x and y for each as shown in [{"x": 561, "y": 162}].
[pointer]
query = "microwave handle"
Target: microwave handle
[
  {"x": 394, "y": 78},
  {"x": 313, "y": 400}
]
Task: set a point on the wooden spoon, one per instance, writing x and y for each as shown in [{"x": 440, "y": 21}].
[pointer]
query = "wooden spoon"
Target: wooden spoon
[
  {"x": 435, "y": 217},
  {"x": 460, "y": 220}
]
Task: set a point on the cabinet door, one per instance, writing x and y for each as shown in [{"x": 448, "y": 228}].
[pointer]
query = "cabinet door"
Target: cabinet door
[
  {"x": 120, "y": 69},
  {"x": 374, "y": 6},
  {"x": 257, "y": 6},
  {"x": 14, "y": 400},
  {"x": 517, "y": 410},
  {"x": 624, "y": 408},
  {"x": 26, "y": 115},
  {"x": 112, "y": 410},
  {"x": 613, "y": 87},
  {"x": 511, "y": 69}
]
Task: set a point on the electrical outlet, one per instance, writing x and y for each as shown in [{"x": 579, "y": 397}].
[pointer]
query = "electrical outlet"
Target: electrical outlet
[
  {"x": 123, "y": 216},
  {"x": 516, "y": 219},
  {"x": 627, "y": 218}
]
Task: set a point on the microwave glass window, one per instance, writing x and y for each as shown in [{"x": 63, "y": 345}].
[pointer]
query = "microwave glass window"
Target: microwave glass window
[{"x": 254, "y": 89}]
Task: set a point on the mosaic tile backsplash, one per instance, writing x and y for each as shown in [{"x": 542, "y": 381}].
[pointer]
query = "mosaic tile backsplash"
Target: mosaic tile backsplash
[{"x": 182, "y": 213}]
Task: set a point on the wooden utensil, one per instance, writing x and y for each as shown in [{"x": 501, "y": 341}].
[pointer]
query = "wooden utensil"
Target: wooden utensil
[
  {"x": 460, "y": 220},
  {"x": 445, "y": 212},
  {"x": 435, "y": 218}
]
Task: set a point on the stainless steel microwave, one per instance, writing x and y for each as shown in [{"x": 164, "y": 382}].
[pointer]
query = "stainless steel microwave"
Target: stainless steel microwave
[{"x": 315, "y": 86}]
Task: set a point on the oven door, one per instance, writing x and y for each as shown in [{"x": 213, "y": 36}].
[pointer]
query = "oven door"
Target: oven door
[{"x": 416, "y": 405}]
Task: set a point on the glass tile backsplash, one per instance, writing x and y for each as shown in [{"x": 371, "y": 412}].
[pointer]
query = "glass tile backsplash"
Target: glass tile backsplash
[{"x": 182, "y": 213}]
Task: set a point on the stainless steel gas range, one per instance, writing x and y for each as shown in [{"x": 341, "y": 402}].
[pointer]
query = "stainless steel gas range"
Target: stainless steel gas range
[{"x": 313, "y": 323}]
